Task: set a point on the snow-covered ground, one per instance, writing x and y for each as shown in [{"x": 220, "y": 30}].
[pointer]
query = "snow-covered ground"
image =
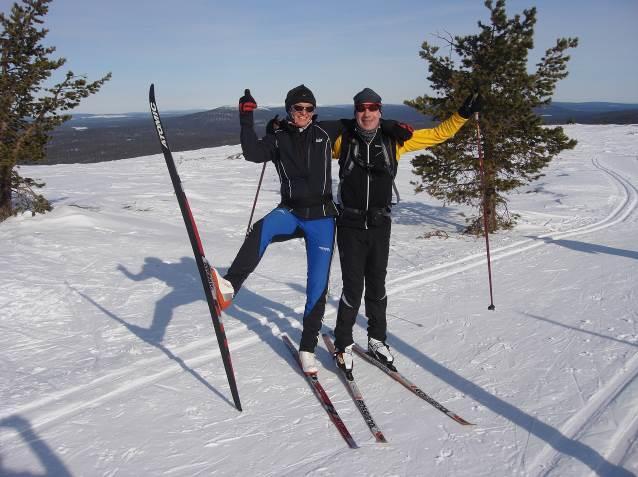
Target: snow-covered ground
[{"x": 110, "y": 365}]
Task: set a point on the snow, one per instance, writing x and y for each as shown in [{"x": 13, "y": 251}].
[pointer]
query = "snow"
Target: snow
[{"x": 110, "y": 365}]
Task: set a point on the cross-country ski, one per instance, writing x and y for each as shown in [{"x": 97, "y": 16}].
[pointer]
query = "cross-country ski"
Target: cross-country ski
[
  {"x": 357, "y": 397},
  {"x": 198, "y": 251},
  {"x": 400, "y": 378},
  {"x": 322, "y": 396}
]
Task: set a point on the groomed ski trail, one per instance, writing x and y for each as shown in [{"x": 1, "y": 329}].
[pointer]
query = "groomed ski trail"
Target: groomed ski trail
[{"x": 586, "y": 418}]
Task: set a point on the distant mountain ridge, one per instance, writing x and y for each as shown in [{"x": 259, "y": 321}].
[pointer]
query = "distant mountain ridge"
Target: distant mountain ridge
[{"x": 90, "y": 138}]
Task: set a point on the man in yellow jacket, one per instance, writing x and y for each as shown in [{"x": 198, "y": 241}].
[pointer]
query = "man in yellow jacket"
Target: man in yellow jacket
[{"x": 368, "y": 160}]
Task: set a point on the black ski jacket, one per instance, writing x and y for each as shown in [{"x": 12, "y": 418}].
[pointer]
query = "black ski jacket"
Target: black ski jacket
[
  {"x": 367, "y": 171},
  {"x": 303, "y": 159}
]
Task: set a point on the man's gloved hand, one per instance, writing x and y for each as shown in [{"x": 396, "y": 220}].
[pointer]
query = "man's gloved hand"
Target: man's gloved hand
[
  {"x": 471, "y": 105},
  {"x": 272, "y": 125},
  {"x": 247, "y": 105},
  {"x": 396, "y": 130}
]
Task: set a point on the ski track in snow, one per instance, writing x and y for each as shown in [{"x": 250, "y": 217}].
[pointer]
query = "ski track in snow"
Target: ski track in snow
[
  {"x": 626, "y": 206},
  {"x": 101, "y": 390},
  {"x": 68, "y": 402},
  {"x": 586, "y": 417}
]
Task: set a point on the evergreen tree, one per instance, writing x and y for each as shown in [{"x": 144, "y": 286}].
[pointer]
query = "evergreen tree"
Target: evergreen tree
[
  {"x": 516, "y": 145},
  {"x": 29, "y": 111}
]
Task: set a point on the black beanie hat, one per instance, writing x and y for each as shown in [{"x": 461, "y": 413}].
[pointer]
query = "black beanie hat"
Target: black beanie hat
[
  {"x": 300, "y": 94},
  {"x": 366, "y": 95}
]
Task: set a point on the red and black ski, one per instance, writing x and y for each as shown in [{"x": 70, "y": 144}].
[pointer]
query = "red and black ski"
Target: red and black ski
[
  {"x": 198, "y": 251},
  {"x": 397, "y": 376},
  {"x": 357, "y": 397},
  {"x": 323, "y": 398}
]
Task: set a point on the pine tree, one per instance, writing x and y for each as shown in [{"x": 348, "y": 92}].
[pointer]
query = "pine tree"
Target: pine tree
[
  {"x": 515, "y": 143},
  {"x": 29, "y": 111}
]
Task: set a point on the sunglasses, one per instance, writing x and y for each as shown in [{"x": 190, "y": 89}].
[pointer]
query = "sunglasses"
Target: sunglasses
[
  {"x": 367, "y": 106},
  {"x": 298, "y": 108}
]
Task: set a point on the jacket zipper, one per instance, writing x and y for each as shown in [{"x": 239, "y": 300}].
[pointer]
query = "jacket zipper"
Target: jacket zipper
[
  {"x": 368, "y": 176},
  {"x": 368, "y": 183}
]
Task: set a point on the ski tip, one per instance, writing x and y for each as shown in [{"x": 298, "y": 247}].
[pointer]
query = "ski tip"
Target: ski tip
[
  {"x": 461, "y": 421},
  {"x": 380, "y": 438}
]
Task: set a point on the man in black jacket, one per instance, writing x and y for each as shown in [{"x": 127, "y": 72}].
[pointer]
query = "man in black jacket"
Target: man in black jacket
[
  {"x": 301, "y": 152},
  {"x": 368, "y": 161}
]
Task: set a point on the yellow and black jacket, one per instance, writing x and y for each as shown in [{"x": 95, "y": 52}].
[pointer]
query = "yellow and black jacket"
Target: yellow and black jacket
[{"x": 367, "y": 170}]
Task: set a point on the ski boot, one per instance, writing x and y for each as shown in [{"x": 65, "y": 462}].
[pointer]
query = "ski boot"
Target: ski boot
[
  {"x": 381, "y": 352},
  {"x": 224, "y": 291},
  {"x": 345, "y": 361},
  {"x": 308, "y": 362}
]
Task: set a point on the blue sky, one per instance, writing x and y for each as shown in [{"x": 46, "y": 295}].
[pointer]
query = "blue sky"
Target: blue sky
[{"x": 203, "y": 53}]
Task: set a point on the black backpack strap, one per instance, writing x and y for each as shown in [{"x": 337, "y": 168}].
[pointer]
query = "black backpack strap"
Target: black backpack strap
[{"x": 391, "y": 165}]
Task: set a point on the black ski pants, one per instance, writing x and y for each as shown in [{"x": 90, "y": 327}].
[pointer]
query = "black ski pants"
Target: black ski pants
[{"x": 363, "y": 254}]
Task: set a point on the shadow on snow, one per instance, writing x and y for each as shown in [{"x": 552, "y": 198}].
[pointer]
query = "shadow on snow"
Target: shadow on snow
[
  {"x": 563, "y": 444},
  {"x": 249, "y": 306},
  {"x": 417, "y": 213},
  {"x": 53, "y": 465},
  {"x": 590, "y": 247},
  {"x": 580, "y": 330},
  {"x": 180, "y": 295}
]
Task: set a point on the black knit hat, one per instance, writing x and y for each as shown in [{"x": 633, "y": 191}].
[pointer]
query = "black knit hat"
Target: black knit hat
[
  {"x": 300, "y": 94},
  {"x": 366, "y": 95}
]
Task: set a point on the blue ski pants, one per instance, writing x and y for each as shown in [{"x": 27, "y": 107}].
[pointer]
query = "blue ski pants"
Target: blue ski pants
[{"x": 281, "y": 225}]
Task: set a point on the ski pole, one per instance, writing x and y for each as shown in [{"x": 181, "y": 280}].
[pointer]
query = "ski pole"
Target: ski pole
[
  {"x": 250, "y": 220},
  {"x": 485, "y": 223}
]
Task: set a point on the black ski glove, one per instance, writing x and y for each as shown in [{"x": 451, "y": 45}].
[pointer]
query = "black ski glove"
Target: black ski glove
[
  {"x": 247, "y": 105},
  {"x": 471, "y": 105},
  {"x": 401, "y": 132},
  {"x": 272, "y": 125}
]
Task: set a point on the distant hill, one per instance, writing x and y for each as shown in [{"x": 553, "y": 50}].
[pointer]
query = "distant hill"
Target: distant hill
[
  {"x": 94, "y": 138},
  {"x": 590, "y": 113}
]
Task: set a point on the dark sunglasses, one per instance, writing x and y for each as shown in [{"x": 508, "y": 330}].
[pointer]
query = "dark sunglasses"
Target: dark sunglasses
[
  {"x": 369, "y": 106},
  {"x": 299, "y": 108}
]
